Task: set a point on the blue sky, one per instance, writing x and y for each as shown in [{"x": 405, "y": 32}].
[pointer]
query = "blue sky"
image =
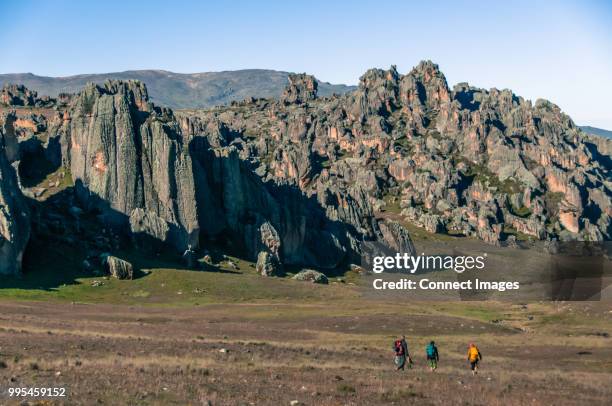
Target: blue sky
[{"x": 559, "y": 50}]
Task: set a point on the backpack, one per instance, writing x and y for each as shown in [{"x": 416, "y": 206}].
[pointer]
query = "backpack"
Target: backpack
[
  {"x": 473, "y": 354},
  {"x": 399, "y": 348},
  {"x": 431, "y": 351}
]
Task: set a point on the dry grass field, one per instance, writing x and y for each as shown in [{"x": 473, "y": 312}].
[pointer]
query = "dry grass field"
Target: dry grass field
[
  {"x": 227, "y": 336},
  {"x": 332, "y": 352}
]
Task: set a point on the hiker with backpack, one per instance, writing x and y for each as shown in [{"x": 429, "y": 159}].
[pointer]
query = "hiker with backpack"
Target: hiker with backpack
[
  {"x": 432, "y": 355},
  {"x": 400, "y": 347},
  {"x": 474, "y": 356}
]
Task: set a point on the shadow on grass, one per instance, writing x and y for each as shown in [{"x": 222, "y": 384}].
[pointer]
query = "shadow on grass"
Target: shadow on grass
[{"x": 59, "y": 244}]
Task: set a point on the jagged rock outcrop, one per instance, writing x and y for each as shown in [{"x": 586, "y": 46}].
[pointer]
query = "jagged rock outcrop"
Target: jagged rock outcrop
[
  {"x": 270, "y": 239},
  {"x": 396, "y": 237},
  {"x": 14, "y": 211},
  {"x": 306, "y": 181},
  {"x": 128, "y": 158},
  {"x": 18, "y": 95},
  {"x": 8, "y": 137},
  {"x": 301, "y": 89},
  {"x": 273, "y": 216},
  {"x": 469, "y": 161},
  {"x": 178, "y": 180}
]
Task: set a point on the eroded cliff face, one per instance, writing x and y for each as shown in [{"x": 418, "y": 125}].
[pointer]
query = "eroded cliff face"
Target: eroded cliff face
[
  {"x": 480, "y": 163},
  {"x": 139, "y": 166},
  {"x": 128, "y": 159},
  {"x": 14, "y": 211},
  {"x": 306, "y": 180},
  {"x": 272, "y": 216}
]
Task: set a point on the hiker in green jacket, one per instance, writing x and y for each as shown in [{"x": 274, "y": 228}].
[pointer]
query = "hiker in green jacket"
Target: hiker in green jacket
[{"x": 432, "y": 355}]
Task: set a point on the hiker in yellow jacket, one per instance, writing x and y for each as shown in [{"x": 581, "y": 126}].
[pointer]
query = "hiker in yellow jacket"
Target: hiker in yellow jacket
[{"x": 473, "y": 357}]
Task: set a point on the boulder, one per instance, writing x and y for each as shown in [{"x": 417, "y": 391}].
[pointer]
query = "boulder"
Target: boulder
[
  {"x": 267, "y": 264},
  {"x": 117, "y": 267},
  {"x": 310, "y": 275}
]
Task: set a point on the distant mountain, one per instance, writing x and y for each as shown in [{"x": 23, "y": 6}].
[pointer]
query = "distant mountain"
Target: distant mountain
[
  {"x": 596, "y": 131},
  {"x": 178, "y": 90}
]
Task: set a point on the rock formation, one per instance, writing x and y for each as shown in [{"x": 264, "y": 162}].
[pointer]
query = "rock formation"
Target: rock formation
[
  {"x": 179, "y": 180},
  {"x": 128, "y": 159},
  {"x": 267, "y": 264},
  {"x": 301, "y": 89},
  {"x": 305, "y": 181},
  {"x": 19, "y": 95},
  {"x": 310, "y": 275},
  {"x": 468, "y": 161},
  {"x": 14, "y": 211},
  {"x": 117, "y": 267}
]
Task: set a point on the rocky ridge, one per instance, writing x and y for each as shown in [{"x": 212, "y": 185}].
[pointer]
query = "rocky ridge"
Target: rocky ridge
[
  {"x": 465, "y": 161},
  {"x": 19, "y": 95},
  {"x": 305, "y": 180},
  {"x": 141, "y": 168}
]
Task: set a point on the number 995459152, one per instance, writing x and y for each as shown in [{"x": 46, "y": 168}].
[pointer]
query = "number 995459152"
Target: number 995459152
[{"x": 42, "y": 392}]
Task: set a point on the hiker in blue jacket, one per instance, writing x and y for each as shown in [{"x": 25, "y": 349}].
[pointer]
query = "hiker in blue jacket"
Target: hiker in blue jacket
[{"x": 432, "y": 355}]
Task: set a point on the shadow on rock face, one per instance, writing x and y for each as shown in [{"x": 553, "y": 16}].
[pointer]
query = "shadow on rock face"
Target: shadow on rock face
[
  {"x": 38, "y": 161},
  {"x": 234, "y": 202},
  {"x": 69, "y": 237}
]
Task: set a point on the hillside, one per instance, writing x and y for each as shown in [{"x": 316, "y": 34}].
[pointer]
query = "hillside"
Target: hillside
[
  {"x": 177, "y": 90},
  {"x": 596, "y": 131}
]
